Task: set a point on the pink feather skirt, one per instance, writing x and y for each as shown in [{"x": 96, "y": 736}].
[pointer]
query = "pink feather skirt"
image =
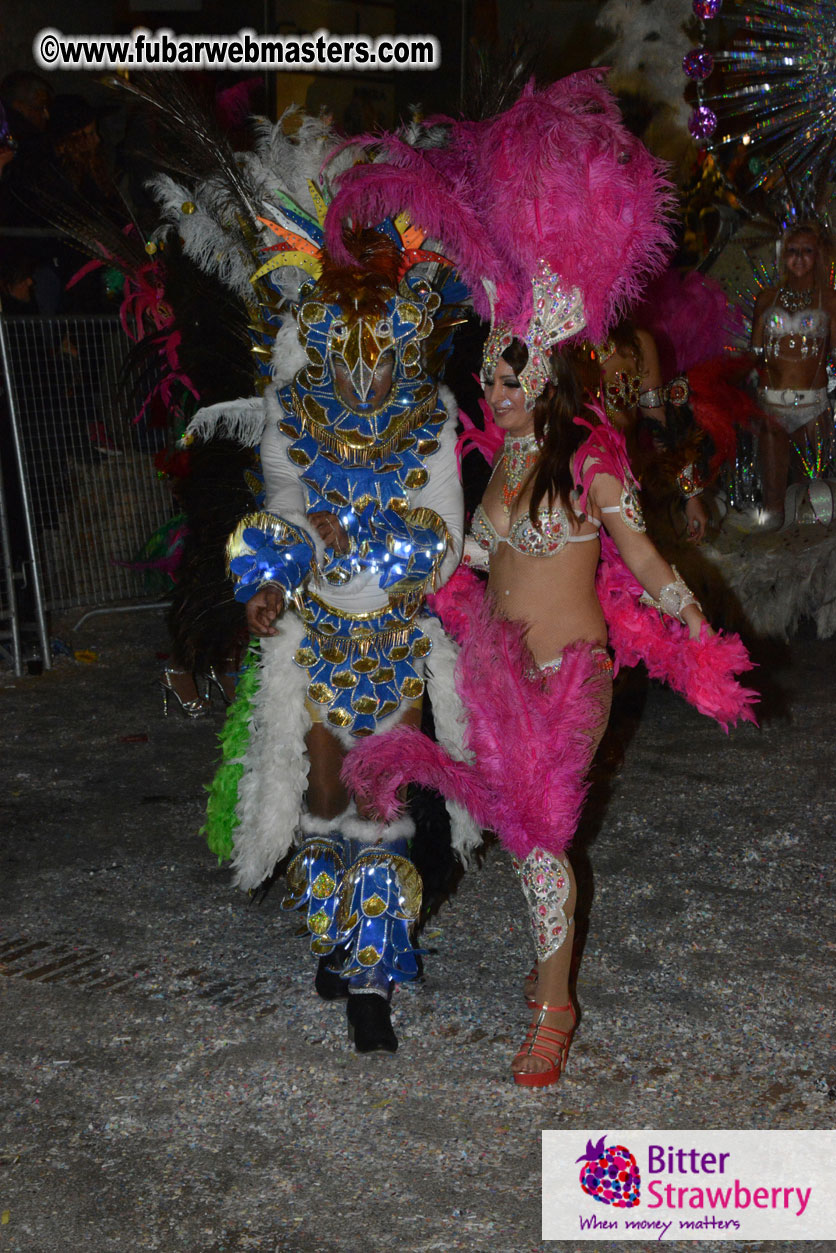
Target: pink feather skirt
[{"x": 531, "y": 735}]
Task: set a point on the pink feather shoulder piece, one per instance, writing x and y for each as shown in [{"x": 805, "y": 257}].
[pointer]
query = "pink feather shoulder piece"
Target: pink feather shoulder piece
[
  {"x": 487, "y": 439},
  {"x": 704, "y": 671},
  {"x": 602, "y": 452}
]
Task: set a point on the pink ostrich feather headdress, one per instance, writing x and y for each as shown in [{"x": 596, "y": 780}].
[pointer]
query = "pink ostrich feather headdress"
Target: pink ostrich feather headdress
[{"x": 554, "y": 187}]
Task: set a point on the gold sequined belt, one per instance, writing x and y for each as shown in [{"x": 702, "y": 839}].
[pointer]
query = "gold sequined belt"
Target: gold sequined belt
[
  {"x": 338, "y": 632},
  {"x": 362, "y": 640}
]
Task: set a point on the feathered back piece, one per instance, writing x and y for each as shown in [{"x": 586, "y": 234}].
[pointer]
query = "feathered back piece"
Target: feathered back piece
[
  {"x": 261, "y": 232},
  {"x": 258, "y": 227},
  {"x": 555, "y": 179},
  {"x": 691, "y": 318}
]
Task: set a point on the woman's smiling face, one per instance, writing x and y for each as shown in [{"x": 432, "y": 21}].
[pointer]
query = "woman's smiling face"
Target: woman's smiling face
[{"x": 506, "y": 398}]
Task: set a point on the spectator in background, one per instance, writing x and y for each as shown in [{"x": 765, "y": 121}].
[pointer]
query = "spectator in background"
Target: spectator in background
[
  {"x": 17, "y": 281},
  {"x": 75, "y": 177},
  {"x": 27, "y": 99},
  {"x": 8, "y": 145},
  {"x": 76, "y": 149},
  {"x": 24, "y": 114}
]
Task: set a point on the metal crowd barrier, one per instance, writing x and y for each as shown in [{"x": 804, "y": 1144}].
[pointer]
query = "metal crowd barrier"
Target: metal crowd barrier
[{"x": 79, "y": 493}]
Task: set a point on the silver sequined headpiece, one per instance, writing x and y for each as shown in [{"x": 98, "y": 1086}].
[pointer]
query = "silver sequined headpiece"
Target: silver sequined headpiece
[{"x": 558, "y": 314}]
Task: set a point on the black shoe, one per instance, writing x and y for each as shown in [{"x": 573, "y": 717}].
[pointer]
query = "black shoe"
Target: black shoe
[
  {"x": 328, "y": 982},
  {"x": 369, "y": 1024}
]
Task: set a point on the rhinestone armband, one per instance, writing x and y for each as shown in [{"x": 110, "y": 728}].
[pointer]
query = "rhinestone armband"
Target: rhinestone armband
[
  {"x": 653, "y": 398},
  {"x": 673, "y": 598},
  {"x": 688, "y": 482}
]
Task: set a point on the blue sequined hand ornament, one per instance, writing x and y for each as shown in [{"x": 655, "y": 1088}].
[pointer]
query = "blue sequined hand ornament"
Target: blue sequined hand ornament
[
  {"x": 339, "y": 567},
  {"x": 266, "y": 549},
  {"x": 411, "y": 547},
  {"x": 405, "y": 551}
]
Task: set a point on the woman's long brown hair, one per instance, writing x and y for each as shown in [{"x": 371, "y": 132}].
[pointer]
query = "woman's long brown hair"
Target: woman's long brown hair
[{"x": 574, "y": 372}]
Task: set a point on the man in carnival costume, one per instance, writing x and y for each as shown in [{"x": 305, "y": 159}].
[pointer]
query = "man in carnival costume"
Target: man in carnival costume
[{"x": 361, "y": 515}]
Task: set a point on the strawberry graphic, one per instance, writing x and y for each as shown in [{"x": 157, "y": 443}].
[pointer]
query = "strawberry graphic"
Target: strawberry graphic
[{"x": 610, "y": 1175}]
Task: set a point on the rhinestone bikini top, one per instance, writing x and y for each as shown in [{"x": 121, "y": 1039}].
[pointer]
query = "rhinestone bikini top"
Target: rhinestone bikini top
[
  {"x": 811, "y": 326},
  {"x": 555, "y": 533}
]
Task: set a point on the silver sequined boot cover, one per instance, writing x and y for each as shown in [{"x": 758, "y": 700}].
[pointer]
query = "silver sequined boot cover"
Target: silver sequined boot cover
[{"x": 546, "y": 886}]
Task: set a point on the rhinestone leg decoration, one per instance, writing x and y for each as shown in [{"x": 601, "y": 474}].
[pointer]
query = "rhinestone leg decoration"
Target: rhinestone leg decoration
[
  {"x": 314, "y": 877},
  {"x": 545, "y": 884},
  {"x": 380, "y": 899}
]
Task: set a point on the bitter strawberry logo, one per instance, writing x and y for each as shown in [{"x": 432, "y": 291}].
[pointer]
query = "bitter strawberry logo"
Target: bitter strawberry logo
[{"x": 610, "y": 1175}]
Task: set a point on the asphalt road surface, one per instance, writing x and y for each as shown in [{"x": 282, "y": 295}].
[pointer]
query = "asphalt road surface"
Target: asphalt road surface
[{"x": 169, "y": 1079}]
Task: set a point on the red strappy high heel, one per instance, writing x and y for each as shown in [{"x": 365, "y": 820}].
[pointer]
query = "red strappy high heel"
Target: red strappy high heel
[
  {"x": 529, "y": 983},
  {"x": 549, "y": 1043}
]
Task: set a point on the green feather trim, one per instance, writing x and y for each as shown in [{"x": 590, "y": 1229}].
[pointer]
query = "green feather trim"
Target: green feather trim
[{"x": 221, "y": 818}]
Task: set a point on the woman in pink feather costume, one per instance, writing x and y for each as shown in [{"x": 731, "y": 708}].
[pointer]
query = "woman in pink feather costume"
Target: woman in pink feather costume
[
  {"x": 534, "y": 672},
  {"x": 555, "y": 217}
]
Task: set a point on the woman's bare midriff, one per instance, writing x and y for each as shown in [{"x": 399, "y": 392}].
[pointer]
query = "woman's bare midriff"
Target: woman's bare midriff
[
  {"x": 554, "y": 596},
  {"x": 794, "y": 370}
]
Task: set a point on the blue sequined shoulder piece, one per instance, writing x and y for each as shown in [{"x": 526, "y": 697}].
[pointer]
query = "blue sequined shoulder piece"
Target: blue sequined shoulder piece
[{"x": 332, "y": 481}]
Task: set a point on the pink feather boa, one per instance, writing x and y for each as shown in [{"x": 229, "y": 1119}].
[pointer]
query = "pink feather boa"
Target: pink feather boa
[
  {"x": 703, "y": 671},
  {"x": 529, "y": 736}
]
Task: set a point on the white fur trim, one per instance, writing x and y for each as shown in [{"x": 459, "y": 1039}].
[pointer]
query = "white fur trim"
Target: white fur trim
[
  {"x": 369, "y": 832},
  {"x": 275, "y": 765},
  {"x": 274, "y": 410},
  {"x": 443, "y": 491},
  {"x": 450, "y": 403},
  {"x": 765, "y": 584},
  {"x": 241, "y": 420},
  {"x": 450, "y": 720},
  {"x": 312, "y": 824}
]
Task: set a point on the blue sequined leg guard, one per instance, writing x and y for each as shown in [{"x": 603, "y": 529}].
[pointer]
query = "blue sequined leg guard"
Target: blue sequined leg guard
[
  {"x": 314, "y": 878},
  {"x": 380, "y": 899}
]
